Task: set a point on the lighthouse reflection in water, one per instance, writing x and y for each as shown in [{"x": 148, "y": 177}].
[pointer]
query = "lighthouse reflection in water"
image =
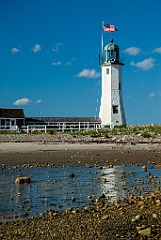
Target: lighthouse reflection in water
[{"x": 113, "y": 184}]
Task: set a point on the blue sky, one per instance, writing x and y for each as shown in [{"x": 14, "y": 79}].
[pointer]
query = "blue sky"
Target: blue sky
[{"x": 49, "y": 56}]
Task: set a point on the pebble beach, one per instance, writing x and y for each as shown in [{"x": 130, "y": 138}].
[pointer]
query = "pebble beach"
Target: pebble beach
[{"x": 137, "y": 217}]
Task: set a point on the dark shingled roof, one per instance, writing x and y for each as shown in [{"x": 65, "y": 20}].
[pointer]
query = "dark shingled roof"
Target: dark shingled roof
[
  {"x": 62, "y": 119},
  {"x": 11, "y": 113}
]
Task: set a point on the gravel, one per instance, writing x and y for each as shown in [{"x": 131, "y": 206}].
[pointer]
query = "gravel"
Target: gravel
[{"x": 124, "y": 220}]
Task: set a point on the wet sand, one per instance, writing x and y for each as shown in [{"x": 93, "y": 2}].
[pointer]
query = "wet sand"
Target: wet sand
[{"x": 80, "y": 153}]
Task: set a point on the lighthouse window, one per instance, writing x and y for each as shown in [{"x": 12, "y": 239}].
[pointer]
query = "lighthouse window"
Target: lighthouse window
[
  {"x": 107, "y": 70},
  {"x": 115, "y": 109}
]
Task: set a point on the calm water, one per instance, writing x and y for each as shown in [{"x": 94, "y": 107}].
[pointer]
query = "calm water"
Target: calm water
[{"x": 51, "y": 188}]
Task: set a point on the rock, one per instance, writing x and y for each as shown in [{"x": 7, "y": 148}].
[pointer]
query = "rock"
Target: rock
[
  {"x": 89, "y": 197},
  {"x": 102, "y": 196},
  {"x": 136, "y": 218},
  {"x": 158, "y": 165},
  {"x": 96, "y": 178},
  {"x": 24, "y": 215},
  {"x": 89, "y": 208},
  {"x": 74, "y": 211},
  {"x": 20, "y": 180},
  {"x": 144, "y": 168},
  {"x": 154, "y": 216},
  {"x": 53, "y": 213},
  {"x": 105, "y": 217},
  {"x": 41, "y": 214},
  {"x": 158, "y": 202},
  {"x": 71, "y": 175},
  {"x": 28, "y": 208},
  {"x": 145, "y": 232},
  {"x": 140, "y": 203},
  {"x": 116, "y": 202},
  {"x": 68, "y": 210}
]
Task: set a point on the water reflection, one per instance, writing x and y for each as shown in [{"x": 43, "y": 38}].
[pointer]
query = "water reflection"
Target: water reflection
[
  {"x": 111, "y": 185},
  {"x": 52, "y": 188}
]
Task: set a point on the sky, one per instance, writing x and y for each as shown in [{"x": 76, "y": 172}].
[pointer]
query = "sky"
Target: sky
[{"x": 49, "y": 56}]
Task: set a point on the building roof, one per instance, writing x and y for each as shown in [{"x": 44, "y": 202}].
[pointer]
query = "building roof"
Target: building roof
[
  {"x": 11, "y": 113},
  {"x": 62, "y": 119}
]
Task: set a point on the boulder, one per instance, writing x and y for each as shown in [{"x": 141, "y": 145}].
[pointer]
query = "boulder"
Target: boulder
[
  {"x": 144, "y": 168},
  {"x": 20, "y": 180}
]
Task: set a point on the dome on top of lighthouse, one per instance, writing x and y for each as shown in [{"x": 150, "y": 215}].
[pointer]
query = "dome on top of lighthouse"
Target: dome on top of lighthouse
[
  {"x": 111, "y": 46},
  {"x": 111, "y": 53}
]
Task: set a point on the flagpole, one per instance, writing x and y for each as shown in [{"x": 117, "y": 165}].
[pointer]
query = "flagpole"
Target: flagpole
[{"x": 102, "y": 42}]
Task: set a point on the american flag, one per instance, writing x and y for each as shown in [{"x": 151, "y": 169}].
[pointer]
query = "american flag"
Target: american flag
[{"x": 109, "y": 28}]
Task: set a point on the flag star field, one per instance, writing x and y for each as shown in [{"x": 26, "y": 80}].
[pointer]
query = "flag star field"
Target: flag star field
[{"x": 49, "y": 63}]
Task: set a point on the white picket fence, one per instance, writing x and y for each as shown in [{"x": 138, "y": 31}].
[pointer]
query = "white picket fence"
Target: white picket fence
[
  {"x": 62, "y": 126},
  {"x": 55, "y": 126}
]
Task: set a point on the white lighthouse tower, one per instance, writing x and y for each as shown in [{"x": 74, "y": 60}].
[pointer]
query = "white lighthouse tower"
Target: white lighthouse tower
[{"x": 111, "y": 109}]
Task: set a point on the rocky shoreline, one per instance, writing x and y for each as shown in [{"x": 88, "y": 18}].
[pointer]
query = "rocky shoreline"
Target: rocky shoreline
[{"x": 137, "y": 217}]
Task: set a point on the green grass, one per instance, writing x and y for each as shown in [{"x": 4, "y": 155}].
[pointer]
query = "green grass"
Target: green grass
[
  {"x": 146, "y": 131},
  {"x": 145, "y": 134}
]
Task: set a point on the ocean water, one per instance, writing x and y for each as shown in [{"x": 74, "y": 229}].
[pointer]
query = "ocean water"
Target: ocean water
[{"x": 52, "y": 188}]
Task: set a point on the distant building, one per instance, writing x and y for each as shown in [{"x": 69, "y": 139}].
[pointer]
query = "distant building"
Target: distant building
[
  {"x": 62, "y": 123},
  {"x": 11, "y": 118},
  {"x": 14, "y": 119}
]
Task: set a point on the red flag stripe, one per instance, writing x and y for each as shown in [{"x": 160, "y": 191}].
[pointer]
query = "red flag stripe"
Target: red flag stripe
[{"x": 111, "y": 28}]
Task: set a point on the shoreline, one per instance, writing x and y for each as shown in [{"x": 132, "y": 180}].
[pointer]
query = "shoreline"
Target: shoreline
[
  {"x": 136, "y": 218},
  {"x": 60, "y": 153},
  {"x": 60, "y": 146}
]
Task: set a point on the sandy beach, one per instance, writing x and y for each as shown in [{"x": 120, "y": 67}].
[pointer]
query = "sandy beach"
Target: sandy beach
[{"x": 72, "y": 153}]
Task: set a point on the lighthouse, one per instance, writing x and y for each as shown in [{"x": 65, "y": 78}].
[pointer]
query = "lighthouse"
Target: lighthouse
[{"x": 111, "y": 108}]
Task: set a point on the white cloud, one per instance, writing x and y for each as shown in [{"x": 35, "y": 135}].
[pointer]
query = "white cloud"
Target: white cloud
[
  {"x": 157, "y": 50},
  {"x": 56, "y": 47},
  {"x": 39, "y": 101},
  {"x": 56, "y": 63},
  {"x": 132, "y": 51},
  {"x": 146, "y": 64},
  {"x": 88, "y": 73},
  {"x": 15, "y": 50},
  {"x": 36, "y": 48},
  {"x": 152, "y": 94},
  {"x": 22, "y": 101}
]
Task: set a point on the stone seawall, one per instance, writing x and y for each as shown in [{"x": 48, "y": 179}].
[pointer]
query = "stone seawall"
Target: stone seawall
[{"x": 131, "y": 138}]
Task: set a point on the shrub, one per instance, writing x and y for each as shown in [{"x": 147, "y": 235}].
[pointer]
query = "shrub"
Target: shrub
[
  {"x": 106, "y": 135},
  {"x": 95, "y": 134},
  {"x": 51, "y": 132},
  {"x": 145, "y": 134}
]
